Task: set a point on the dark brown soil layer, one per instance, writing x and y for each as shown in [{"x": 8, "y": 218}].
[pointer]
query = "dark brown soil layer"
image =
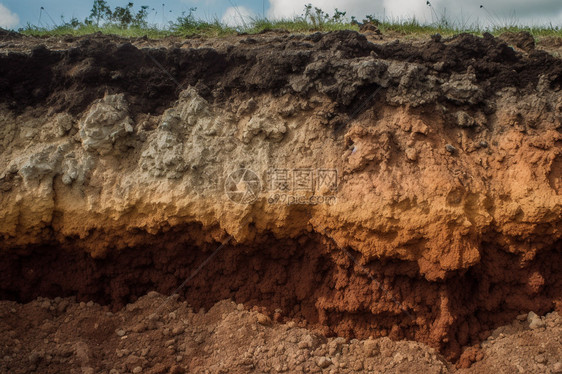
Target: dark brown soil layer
[
  {"x": 307, "y": 279},
  {"x": 70, "y": 79}
]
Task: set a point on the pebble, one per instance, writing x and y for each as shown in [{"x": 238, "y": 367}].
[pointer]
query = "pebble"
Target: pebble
[
  {"x": 557, "y": 368},
  {"x": 137, "y": 370},
  {"x": 264, "y": 320},
  {"x": 450, "y": 148},
  {"x": 120, "y": 332},
  {"x": 535, "y": 322},
  {"x": 45, "y": 304},
  {"x": 323, "y": 362},
  {"x": 371, "y": 348}
]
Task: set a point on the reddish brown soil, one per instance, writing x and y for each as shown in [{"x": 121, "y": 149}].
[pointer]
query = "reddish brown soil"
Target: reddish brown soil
[
  {"x": 159, "y": 335},
  {"x": 308, "y": 279}
]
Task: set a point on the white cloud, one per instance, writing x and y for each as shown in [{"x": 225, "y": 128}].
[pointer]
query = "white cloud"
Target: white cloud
[
  {"x": 291, "y": 8},
  {"x": 467, "y": 13},
  {"x": 501, "y": 12},
  {"x": 401, "y": 9},
  {"x": 357, "y": 8},
  {"x": 8, "y": 19},
  {"x": 239, "y": 16}
]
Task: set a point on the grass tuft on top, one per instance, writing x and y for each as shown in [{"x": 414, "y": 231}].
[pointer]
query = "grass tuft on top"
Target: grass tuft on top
[{"x": 126, "y": 22}]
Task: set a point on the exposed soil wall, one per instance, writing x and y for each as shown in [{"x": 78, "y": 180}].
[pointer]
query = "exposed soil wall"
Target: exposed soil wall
[
  {"x": 117, "y": 161},
  {"x": 306, "y": 279}
]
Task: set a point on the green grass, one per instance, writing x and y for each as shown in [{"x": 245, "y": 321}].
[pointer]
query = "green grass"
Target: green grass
[
  {"x": 414, "y": 28},
  {"x": 297, "y": 25},
  {"x": 202, "y": 28},
  {"x": 189, "y": 26},
  {"x": 151, "y": 32}
]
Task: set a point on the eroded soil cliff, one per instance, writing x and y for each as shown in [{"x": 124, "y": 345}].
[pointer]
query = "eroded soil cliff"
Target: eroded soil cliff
[{"x": 409, "y": 189}]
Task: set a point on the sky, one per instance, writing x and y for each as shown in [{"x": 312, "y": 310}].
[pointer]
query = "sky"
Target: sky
[{"x": 18, "y": 13}]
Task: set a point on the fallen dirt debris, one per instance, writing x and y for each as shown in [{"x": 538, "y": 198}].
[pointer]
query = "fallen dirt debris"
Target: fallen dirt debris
[{"x": 63, "y": 336}]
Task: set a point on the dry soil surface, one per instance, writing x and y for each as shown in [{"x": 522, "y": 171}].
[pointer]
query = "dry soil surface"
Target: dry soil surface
[{"x": 159, "y": 334}]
